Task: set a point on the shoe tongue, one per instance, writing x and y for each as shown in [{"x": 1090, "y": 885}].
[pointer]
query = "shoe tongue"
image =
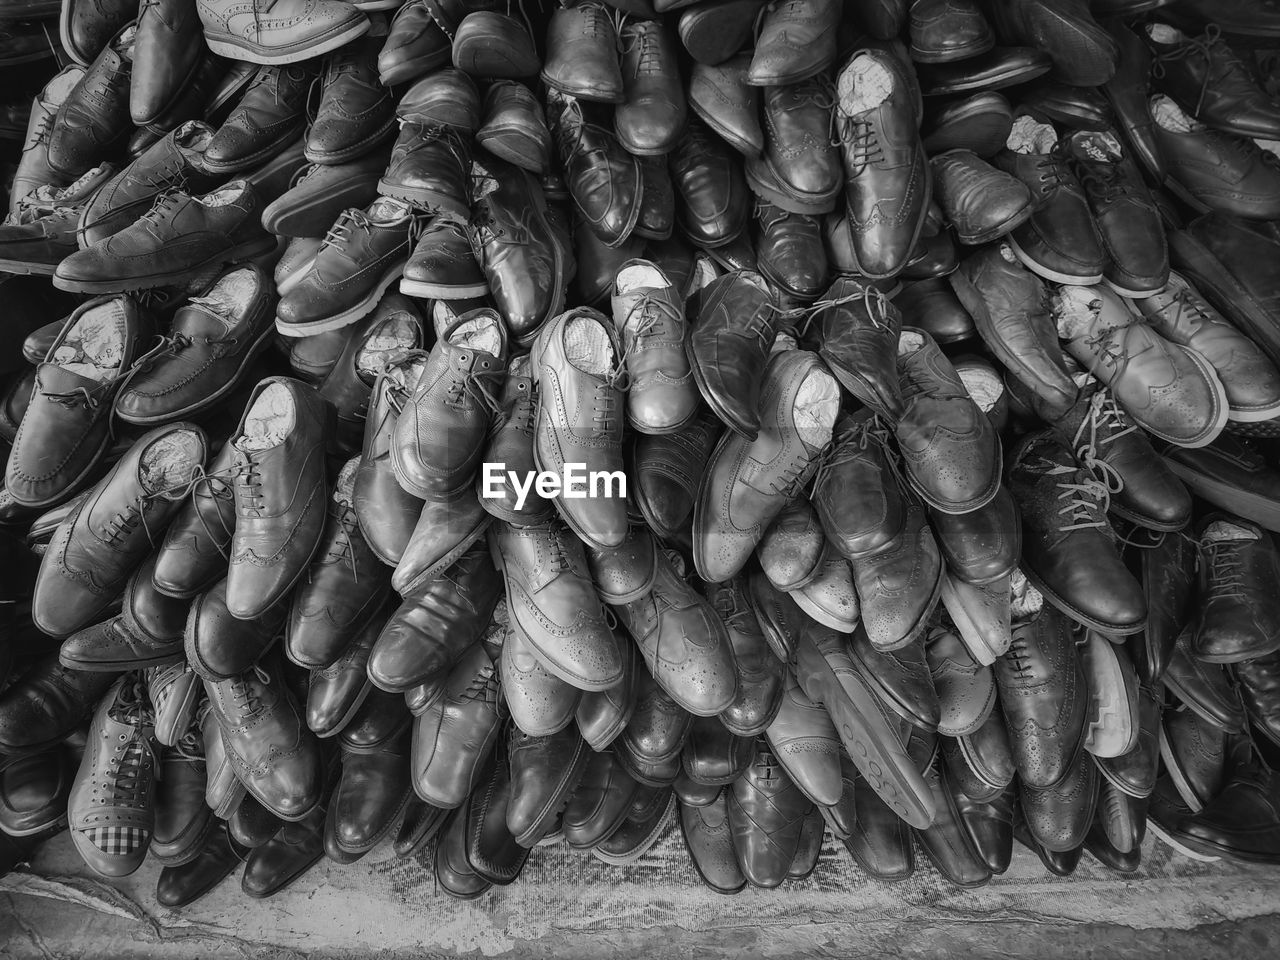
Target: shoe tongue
[
  {"x": 168, "y": 462},
  {"x": 1222, "y": 530},
  {"x": 864, "y": 84},
  {"x": 1163, "y": 33},
  {"x": 269, "y": 420},
  {"x": 817, "y": 404},
  {"x": 478, "y": 333},
  {"x": 387, "y": 209},
  {"x": 1171, "y": 117},
  {"x": 344, "y": 487},
  {"x": 588, "y": 346},
  {"x": 389, "y": 337},
  {"x": 1029, "y": 135},
  {"x": 984, "y": 385},
  {"x": 1097, "y": 145},
  {"x": 93, "y": 347}
]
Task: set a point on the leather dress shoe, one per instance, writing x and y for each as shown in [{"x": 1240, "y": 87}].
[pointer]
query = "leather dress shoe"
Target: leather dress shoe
[
  {"x": 713, "y": 206},
  {"x": 651, "y": 116},
  {"x": 1083, "y": 54},
  {"x": 1000, "y": 67},
  {"x": 34, "y": 790},
  {"x": 337, "y": 691},
  {"x": 729, "y": 347},
  {"x": 1180, "y": 315},
  {"x": 625, "y": 573},
  {"x": 667, "y": 469},
  {"x": 443, "y": 263},
  {"x": 810, "y": 847},
  {"x": 442, "y": 534},
  {"x": 270, "y": 115},
  {"x": 1235, "y": 619},
  {"x": 1195, "y": 754},
  {"x": 777, "y": 613},
  {"x": 979, "y": 122},
  {"x": 981, "y": 614},
  {"x": 46, "y": 703},
  {"x": 900, "y": 584},
  {"x": 688, "y": 791},
  {"x": 415, "y": 45},
  {"x": 299, "y": 30},
  {"x": 192, "y": 556},
  {"x": 436, "y": 625},
  {"x": 645, "y": 822},
  {"x": 1128, "y": 92},
  {"x": 367, "y": 801},
  {"x": 966, "y": 690},
  {"x": 355, "y": 112},
  {"x": 901, "y": 679},
  {"x": 1106, "y": 440},
  {"x": 1059, "y": 864},
  {"x": 85, "y": 29},
  {"x": 93, "y": 552},
  {"x": 828, "y": 675},
  {"x": 177, "y": 159},
  {"x": 600, "y": 802},
  {"x": 183, "y": 822},
  {"x": 935, "y": 395},
  {"x": 714, "y": 756},
  {"x": 1058, "y": 816},
  {"x": 793, "y": 548},
  {"x": 799, "y": 169},
  {"x": 147, "y": 633},
  {"x": 59, "y": 443},
  {"x": 604, "y": 180},
  {"x": 709, "y": 839},
  {"x": 565, "y": 385},
  {"x": 452, "y": 740},
  {"x": 452, "y": 870},
  {"x": 649, "y": 748},
  {"x": 1123, "y": 818},
  {"x": 714, "y": 30},
  {"x": 515, "y": 127},
  {"x": 1072, "y": 107},
  {"x": 884, "y": 159},
  {"x": 279, "y": 493},
  {"x": 219, "y": 646},
  {"x": 215, "y": 339},
  {"x": 989, "y": 825},
  {"x": 540, "y": 702},
  {"x": 550, "y": 598},
  {"x": 545, "y": 771},
  {"x": 581, "y": 58},
  {"x": 166, "y": 54},
  {"x": 748, "y": 481},
  {"x": 266, "y": 741},
  {"x": 215, "y": 861},
  {"x": 796, "y": 41},
  {"x": 858, "y": 335},
  {"x": 947, "y": 30},
  {"x": 286, "y": 857},
  {"x": 790, "y": 251},
  {"x": 1099, "y": 843},
  {"x": 946, "y": 841},
  {"x": 94, "y": 119},
  {"x": 981, "y": 202},
  {"x": 981, "y": 764},
  {"x": 766, "y": 813},
  {"x": 880, "y": 842},
  {"x": 251, "y": 824},
  {"x": 760, "y": 674},
  {"x": 422, "y": 822},
  {"x": 1211, "y": 170},
  {"x": 1259, "y": 678},
  {"x": 1101, "y": 594},
  {"x": 491, "y": 849},
  {"x": 511, "y": 443},
  {"x": 1170, "y": 391},
  {"x": 721, "y": 96},
  {"x": 858, "y": 466},
  {"x": 1168, "y": 576},
  {"x": 684, "y": 643},
  {"x": 1243, "y": 821},
  {"x": 982, "y": 546},
  {"x": 429, "y": 167},
  {"x": 1044, "y": 698},
  {"x": 802, "y": 738},
  {"x": 513, "y": 240},
  {"x": 1203, "y": 687},
  {"x": 380, "y": 718}
]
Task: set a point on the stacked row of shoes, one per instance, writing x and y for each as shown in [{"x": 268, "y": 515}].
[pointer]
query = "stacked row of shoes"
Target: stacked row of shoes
[{"x": 473, "y": 428}]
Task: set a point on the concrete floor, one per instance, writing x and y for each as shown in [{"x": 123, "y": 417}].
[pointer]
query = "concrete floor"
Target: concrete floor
[{"x": 567, "y": 905}]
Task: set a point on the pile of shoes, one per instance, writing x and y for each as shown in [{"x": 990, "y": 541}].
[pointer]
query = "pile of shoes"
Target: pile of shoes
[{"x": 426, "y": 421}]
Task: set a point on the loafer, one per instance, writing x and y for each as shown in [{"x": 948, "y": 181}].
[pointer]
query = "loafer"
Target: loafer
[
  {"x": 766, "y": 812},
  {"x": 600, "y": 802},
  {"x": 337, "y": 691},
  {"x": 372, "y": 792}
]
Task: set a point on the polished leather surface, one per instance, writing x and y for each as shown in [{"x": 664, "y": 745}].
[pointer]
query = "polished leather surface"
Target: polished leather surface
[
  {"x": 582, "y": 58},
  {"x": 982, "y": 546},
  {"x": 901, "y": 678},
  {"x": 803, "y": 740},
  {"x": 220, "y": 646},
  {"x": 859, "y": 341},
  {"x": 766, "y": 813},
  {"x": 709, "y": 839},
  {"x": 795, "y": 42},
  {"x": 367, "y": 801},
  {"x": 1236, "y": 616},
  {"x": 981, "y": 202},
  {"x": 1204, "y": 687},
  {"x": 1058, "y": 816},
  {"x": 714, "y": 206},
  {"x": 966, "y": 690},
  {"x": 721, "y": 96},
  {"x": 545, "y": 771},
  {"x": 900, "y": 584},
  {"x": 491, "y": 849},
  {"x": 600, "y": 801},
  {"x": 540, "y": 702},
  {"x": 338, "y": 689}
]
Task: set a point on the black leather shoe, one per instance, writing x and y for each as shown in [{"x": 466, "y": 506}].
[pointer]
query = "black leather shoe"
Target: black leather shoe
[{"x": 367, "y": 802}]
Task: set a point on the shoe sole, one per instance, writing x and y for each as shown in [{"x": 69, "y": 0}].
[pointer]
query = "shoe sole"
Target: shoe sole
[
  {"x": 191, "y": 852},
  {"x": 1261, "y": 510},
  {"x": 1008, "y": 225},
  {"x": 978, "y": 647},
  {"x": 441, "y": 291},
  {"x": 1081, "y": 43},
  {"x": 813, "y": 206},
  {"x": 644, "y": 846},
  {"x": 25, "y": 268},
  {"x": 355, "y": 151},
  {"x": 1109, "y": 629},
  {"x": 531, "y": 837},
  {"x": 186, "y": 709},
  {"x": 350, "y": 315},
  {"x": 1129, "y": 293},
  {"x": 977, "y": 503},
  {"x": 428, "y": 200},
  {"x": 237, "y": 377},
  {"x": 1177, "y": 776},
  {"x": 277, "y": 221},
  {"x": 58, "y": 823},
  {"x": 999, "y": 81},
  {"x": 448, "y": 560},
  {"x": 245, "y": 251},
  {"x": 1173, "y": 842},
  {"x": 228, "y": 46},
  {"x": 1119, "y": 704},
  {"x": 954, "y": 54},
  {"x": 1147, "y": 522},
  {"x": 356, "y": 704},
  {"x": 118, "y": 666},
  {"x": 1041, "y": 270}
]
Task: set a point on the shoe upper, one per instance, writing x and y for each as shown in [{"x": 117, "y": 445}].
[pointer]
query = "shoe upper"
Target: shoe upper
[
  {"x": 581, "y": 58},
  {"x": 796, "y": 41},
  {"x": 540, "y": 702},
  {"x": 859, "y": 332},
  {"x": 94, "y": 118},
  {"x": 760, "y": 673},
  {"x": 47, "y": 703},
  {"x": 356, "y": 112},
  {"x": 1235, "y": 616},
  {"x": 766, "y": 813},
  {"x": 430, "y": 165},
  {"x": 721, "y": 96},
  {"x": 714, "y": 207},
  {"x": 166, "y": 54},
  {"x": 1058, "y": 816},
  {"x": 899, "y": 585},
  {"x": 603, "y": 178},
  {"x": 652, "y": 116},
  {"x": 798, "y": 149},
  {"x": 667, "y": 469},
  {"x": 859, "y": 467},
  {"x": 515, "y": 127}
]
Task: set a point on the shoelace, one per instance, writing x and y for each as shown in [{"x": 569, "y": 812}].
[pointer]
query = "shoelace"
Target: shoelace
[
  {"x": 340, "y": 548},
  {"x": 347, "y": 225},
  {"x": 1104, "y": 424},
  {"x": 1086, "y": 500},
  {"x": 474, "y": 386},
  {"x": 874, "y": 302},
  {"x": 166, "y": 205},
  {"x": 190, "y": 747},
  {"x": 1223, "y": 558},
  {"x": 860, "y": 136},
  {"x": 658, "y": 319},
  {"x": 792, "y": 476},
  {"x": 133, "y": 756},
  {"x": 649, "y": 62},
  {"x": 1110, "y": 352},
  {"x": 249, "y": 484},
  {"x": 1105, "y": 182},
  {"x": 1184, "y": 302},
  {"x": 1054, "y": 169},
  {"x": 245, "y": 696}
]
